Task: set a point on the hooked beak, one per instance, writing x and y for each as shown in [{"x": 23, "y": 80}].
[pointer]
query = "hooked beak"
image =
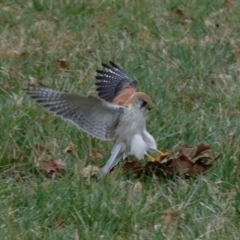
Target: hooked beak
[{"x": 150, "y": 106}]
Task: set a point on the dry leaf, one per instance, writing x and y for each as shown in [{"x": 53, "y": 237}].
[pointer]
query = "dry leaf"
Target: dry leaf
[
  {"x": 4, "y": 20},
  {"x": 88, "y": 49},
  {"x": 52, "y": 166},
  {"x": 108, "y": 10},
  {"x": 226, "y": 113},
  {"x": 225, "y": 77},
  {"x": 62, "y": 63},
  {"x": 127, "y": 33},
  {"x": 203, "y": 157},
  {"x": 181, "y": 165},
  {"x": 101, "y": 21},
  {"x": 188, "y": 41},
  {"x": 18, "y": 155},
  {"x": 208, "y": 23},
  {"x": 237, "y": 53},
  {"x": 157, "y": 227},
  {"x": 225, "y": 31},
  {"x": 181, "y": 15},
  {"x": 46, "y": 117},
  {"x": 41, "y": 148},
  {"x": 231, "y": 135},
  {"x": 69, "y": 148},
  {"x": 230, "y": 4},
  {"x": 179, "y": 12},
  {"x": 201, "y": 148},
  {"x": 187, "y": 162},
  {"x": 168, "y": 216},
  {"x": 199, "y": 168},
  {"x": 214, "y": 77},
  {"x": 59, "y": 223},
  {"x": 170, "y": 221},
  {"x": 166, "y": 16},
  {"x": 137, "y": 187},
  {"x": 90, "y": 171},
  {"x": 9, "y": 53},
  {"x": 96, "y": 154},
  {"x": 187, "y": 151},
  {"x": 134, "y": 168},
  {"x": 206, "y": 40}
]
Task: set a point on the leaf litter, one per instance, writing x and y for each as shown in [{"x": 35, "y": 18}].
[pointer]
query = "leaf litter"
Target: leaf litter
[
  {"x": 186, "y": 163},
  {"x": 49, "y": 166}
]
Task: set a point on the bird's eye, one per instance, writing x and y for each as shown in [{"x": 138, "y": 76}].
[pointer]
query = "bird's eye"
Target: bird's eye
[
  {"x": 146, "y": 105},
  {"x": 143, "y": 104}
]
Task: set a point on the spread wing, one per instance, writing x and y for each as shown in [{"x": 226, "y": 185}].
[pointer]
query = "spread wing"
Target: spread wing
[
  {"x": 94, "y": 116},
  {"x": 112, "y": 82}
]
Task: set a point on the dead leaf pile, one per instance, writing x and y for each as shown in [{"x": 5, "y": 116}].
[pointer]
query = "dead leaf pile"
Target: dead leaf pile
[{"x": 186, "y": 163}]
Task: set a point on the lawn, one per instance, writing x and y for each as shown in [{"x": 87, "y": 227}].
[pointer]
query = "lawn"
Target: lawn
[{"x": 185, "y": 55}]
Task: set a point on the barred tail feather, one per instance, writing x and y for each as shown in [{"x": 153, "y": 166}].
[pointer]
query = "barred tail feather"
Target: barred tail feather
[{"x": 117, "y": 154}]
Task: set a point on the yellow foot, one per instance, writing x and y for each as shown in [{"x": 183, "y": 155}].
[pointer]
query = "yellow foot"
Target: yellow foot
[
  {"x": 159, "y": 157},
  {"x": 162, "y": 154}
]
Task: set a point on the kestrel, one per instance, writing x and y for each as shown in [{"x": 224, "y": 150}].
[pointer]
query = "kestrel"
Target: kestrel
[{"x": 118, "y": 112}]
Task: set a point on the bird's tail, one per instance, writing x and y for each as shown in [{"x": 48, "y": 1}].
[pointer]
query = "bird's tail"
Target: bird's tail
[{"x": 117, "y": 154}]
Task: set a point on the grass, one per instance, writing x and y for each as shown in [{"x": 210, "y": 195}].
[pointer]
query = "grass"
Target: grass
[{"x": 186, "y": 60}]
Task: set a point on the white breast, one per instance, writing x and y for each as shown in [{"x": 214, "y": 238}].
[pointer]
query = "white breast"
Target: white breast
[
  {"x": 138, "y": 146},
  {"x": 132, "y": 132}
]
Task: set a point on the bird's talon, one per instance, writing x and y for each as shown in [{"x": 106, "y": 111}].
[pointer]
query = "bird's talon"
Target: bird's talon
[
  {"x": 159, "y": 157},
  {"x": 163, "y": 155}
]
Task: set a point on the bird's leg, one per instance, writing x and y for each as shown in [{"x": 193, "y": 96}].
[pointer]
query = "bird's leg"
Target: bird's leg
[
  {"x": 162, "y": 154},
  {"x": 152, "y": 159},
  {"x": 159, "y": 157}
]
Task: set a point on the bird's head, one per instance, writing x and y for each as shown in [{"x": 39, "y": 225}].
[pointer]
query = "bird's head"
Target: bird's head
[{"x": 142, "y": 101}]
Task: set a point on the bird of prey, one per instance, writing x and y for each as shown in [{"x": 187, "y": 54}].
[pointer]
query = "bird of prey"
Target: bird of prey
[{"x": 118, "y": 112}]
